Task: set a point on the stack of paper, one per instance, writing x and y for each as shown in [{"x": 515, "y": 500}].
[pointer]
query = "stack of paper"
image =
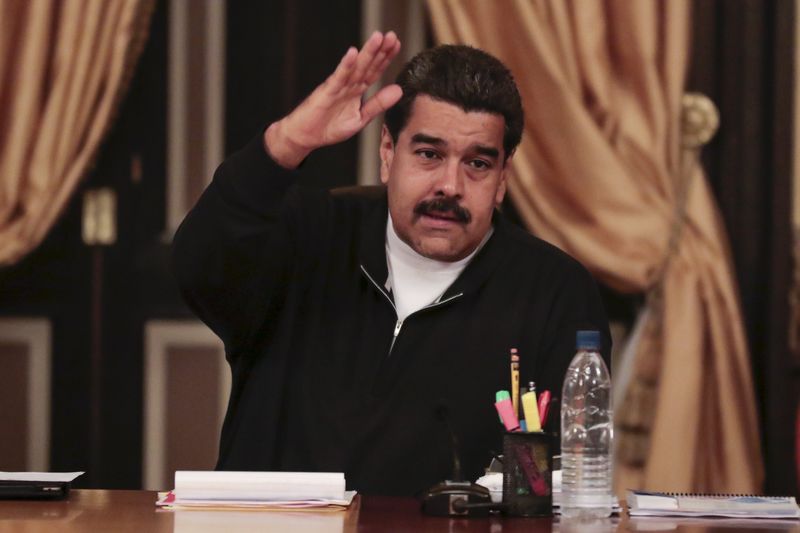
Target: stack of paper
[
  {"x": 257, "y": 490},
  {"x": 641, "y": 503}
]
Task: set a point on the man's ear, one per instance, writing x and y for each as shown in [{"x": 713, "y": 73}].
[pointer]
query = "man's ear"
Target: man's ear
[
  {"x": 502, "y": 186},
  {"x": 386, "y": 153}
]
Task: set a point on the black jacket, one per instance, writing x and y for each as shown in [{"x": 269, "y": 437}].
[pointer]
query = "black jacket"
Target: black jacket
[{"x": 292, "y": 281}]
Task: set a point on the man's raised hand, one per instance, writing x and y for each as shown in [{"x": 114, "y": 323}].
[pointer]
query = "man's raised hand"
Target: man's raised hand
[{"x": 335, "y": 111}]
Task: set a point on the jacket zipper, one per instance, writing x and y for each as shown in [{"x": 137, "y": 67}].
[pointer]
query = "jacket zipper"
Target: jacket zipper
[{"x": 399, "y": 324}]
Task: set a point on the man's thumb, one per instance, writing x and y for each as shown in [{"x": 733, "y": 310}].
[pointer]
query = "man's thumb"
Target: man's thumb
[{"x": 380, "y": 102}]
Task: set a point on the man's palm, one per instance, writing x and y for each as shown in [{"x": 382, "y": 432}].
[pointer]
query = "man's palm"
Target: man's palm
[{"x": 334, "y": 112}]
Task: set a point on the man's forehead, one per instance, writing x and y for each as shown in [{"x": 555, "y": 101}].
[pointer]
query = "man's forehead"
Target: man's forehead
[
  {"x": 438, "y": 119},
  {"x": 430, "y": 105}
]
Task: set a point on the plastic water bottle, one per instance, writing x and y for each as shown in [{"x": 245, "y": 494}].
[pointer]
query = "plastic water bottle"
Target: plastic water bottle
[{"x": 586, "y": 433}]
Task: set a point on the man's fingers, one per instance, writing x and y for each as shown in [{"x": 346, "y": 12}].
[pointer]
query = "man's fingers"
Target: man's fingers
[
  {"x": 387, "y": 52},
  {"x": 380, "y": 102},
  {"x": 344, "y": 69},
  {"x": 368, "y": 52},
  {"x": 380, "y": 67},
  {"x": 387, "y": 46}
]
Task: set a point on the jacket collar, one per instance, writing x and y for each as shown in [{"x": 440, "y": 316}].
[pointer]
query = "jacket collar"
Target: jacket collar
[{"x": 372, "y": 253}]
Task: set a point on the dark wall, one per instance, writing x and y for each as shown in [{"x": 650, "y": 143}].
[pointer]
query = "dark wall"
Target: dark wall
[
  {"x": 99, "y": 298},
  {"x": 278, "y": 52},
  {"x": 742, "y": 58}
]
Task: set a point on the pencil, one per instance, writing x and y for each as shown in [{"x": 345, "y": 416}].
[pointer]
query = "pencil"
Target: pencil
[{"x": 515, "y": 380}]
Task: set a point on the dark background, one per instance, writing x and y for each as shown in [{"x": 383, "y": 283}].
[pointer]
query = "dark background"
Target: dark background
[{"x": 98, "y": 298}]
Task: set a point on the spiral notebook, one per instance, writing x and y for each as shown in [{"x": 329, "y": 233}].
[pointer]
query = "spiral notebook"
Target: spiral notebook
[{"x": 642, "y": 503}]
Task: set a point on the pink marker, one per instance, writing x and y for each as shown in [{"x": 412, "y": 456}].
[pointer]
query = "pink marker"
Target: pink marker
[
  {"x": 544, "y": 406},
  {"x": 535, "y": 479},
  {"x": 506, "y": 411}
]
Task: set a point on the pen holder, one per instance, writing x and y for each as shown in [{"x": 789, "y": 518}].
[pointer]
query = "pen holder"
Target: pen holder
[{"x": 527, "y": 473}]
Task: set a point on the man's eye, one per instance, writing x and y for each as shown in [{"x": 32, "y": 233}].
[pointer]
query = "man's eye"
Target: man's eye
[
  {"x": 479, "y": 164},
  {"x": 427, "y": 154}
]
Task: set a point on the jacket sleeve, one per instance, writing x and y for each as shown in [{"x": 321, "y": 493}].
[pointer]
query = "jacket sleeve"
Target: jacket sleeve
[{"x": 233, "y": 253}]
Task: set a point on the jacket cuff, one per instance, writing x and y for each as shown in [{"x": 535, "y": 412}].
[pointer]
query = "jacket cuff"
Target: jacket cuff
[{"x": 254, "y": 178}]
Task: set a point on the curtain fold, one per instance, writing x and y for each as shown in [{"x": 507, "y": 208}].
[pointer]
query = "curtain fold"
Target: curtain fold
[
  {"x": 599, "y": 173},
  {"x": 64, "y": 67}
]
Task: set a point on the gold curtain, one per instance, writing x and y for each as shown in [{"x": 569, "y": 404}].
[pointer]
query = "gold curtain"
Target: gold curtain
[
  {"x": 599, "y": 174},
  {"x": 64, "y": 66}
]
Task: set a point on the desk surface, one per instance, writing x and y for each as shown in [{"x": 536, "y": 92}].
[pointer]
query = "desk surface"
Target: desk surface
[{"x": 119, "y": 510}]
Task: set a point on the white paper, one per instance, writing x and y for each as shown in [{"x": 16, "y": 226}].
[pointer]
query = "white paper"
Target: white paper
[
  {"x": 39, "y": 476},
  {"x": 259, "y": 486},
  {"x": 178, "y": 503}
]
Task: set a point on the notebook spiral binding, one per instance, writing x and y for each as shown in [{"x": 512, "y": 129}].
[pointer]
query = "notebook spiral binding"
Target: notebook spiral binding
[{"x": 717, "y": 495}]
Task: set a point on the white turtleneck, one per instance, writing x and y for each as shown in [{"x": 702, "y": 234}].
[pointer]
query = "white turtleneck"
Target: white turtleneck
[{"x": 415, "y": 280}]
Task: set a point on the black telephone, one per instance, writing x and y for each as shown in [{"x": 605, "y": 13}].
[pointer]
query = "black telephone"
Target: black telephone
[{"x": 456, "y": 497}]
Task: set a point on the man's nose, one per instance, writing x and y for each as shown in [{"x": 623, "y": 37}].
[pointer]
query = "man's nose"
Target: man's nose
[{"x": 451, "y": 180}]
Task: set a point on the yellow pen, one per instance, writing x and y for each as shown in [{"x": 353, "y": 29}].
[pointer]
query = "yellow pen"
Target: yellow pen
[
  {"x": 531, "y": 409},
  {"x": 515, "y": 380}
]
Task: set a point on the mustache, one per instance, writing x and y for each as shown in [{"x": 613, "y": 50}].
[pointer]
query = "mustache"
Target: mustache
[{"x": 439, "y": 206}]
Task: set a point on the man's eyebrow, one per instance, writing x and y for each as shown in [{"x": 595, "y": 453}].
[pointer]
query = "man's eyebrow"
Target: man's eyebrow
[
  {"x": 488, "y": 151},
  {"x": 421, "y": 138}
]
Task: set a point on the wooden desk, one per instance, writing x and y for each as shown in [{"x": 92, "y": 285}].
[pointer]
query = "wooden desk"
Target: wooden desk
[{"x": 135, "y": 511}]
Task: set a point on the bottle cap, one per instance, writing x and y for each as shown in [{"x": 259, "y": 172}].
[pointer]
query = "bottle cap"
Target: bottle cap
[{"x": 588, "y": 340}]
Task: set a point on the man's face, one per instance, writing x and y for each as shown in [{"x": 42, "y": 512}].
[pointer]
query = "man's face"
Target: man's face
[{"x": 444, "y": 176}]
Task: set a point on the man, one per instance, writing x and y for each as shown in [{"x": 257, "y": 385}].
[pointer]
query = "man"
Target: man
[{"x": 352, "y": 324}]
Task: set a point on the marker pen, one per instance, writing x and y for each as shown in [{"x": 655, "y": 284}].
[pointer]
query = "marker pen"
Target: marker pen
[
  {"x": 544, "y": 406},
  {"x": 530, "y": 409},
  {"x": 499, "y": 396},
  {"x": 506, "y": 411}
]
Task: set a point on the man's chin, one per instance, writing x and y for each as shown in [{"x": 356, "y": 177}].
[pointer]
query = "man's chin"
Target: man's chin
[{"x": 442, "y": 249}]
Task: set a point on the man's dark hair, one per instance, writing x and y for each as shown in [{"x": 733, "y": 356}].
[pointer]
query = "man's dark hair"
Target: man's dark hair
[{"x": 464, "y": 76}]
